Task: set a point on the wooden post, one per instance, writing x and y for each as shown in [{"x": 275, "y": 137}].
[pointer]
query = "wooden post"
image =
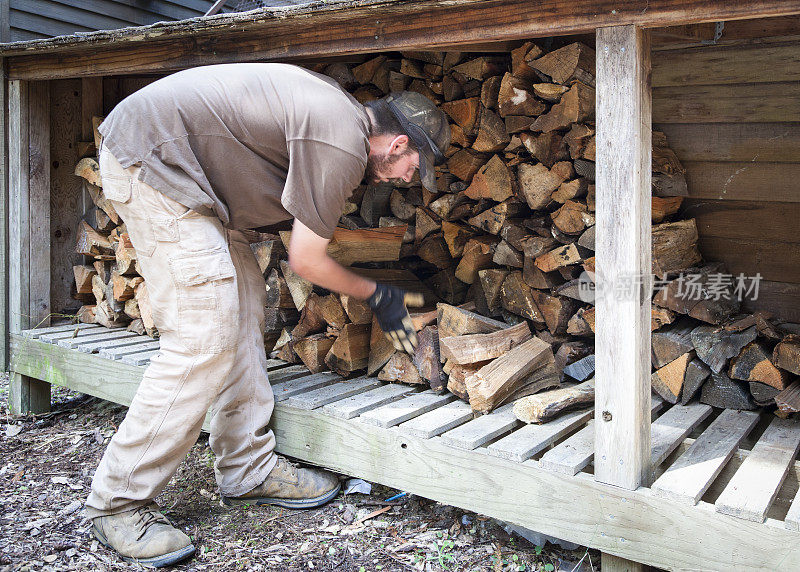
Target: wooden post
[
  {"x": 623, "y": 280},
  {"x": 28, "y": 227}
]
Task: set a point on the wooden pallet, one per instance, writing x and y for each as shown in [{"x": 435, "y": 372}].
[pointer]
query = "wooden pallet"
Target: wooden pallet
[{"x": 539, "y": 476}]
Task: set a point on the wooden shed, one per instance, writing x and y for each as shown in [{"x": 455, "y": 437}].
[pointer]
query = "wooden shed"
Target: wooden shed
[{"x": 725, "y": 90}]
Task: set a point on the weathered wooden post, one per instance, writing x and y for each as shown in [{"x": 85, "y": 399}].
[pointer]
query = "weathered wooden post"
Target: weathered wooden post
[{"x": 624, "y": 281}]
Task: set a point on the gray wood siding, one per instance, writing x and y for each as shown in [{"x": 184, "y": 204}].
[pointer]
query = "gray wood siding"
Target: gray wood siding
[{"x": 31, "y": 19}]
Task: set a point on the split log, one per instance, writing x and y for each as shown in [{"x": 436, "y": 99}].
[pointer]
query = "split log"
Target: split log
[
  {"x": 474, "y": 348},
  {"x": 300, "y": 288},
  {"x": 551, "y": 92},
  {"x": 696, "y": 374},
  {"x": 753, "y": 364},
  {"x": 556, "y": 311},
  {"x": 549, "y": 148},
  {"x": 506, "y": 255},
  {"x": 519, "y": 61},
  {"x": 661, "y": 208},
  {"x": 569, "y": 218},
  {"x": 268, "y": 253},
  {"x": 699, "y": 294},
  {"x": 465, "y": 163},
  {"x": 715, "y": 346},
  {"x": 145, "y": 309},
  {"x": 660, "y": 317},
  {"x": 580, "y": 141},
  {"x": 518, "y": 298},
  {"x": 580, "y": 324},
  {"x": 481, "y": 68},
  {"x": 576, "y": 105},
  {"x": 582, "y": 369},
  {"x": 671, "y": 342},
  {"x": 721, "y": 391},
  {"x": 103, "y": 222},
  {"x": 106, "y": 315},
  {"x": 492, "y": 181},
  {"x": 537, "y": 183},
  {"x": 125, "y": 254},
  {"x": 465, "y": 112},
  {"x": 101, "y": 202},
  {"x": 374, "y": 204},
  {"x": 312, "y": 351},
  {"x": 434, "y": 250},
  {"x": 493, "y": 219},
  {"x": 675, "y": 246},
  {"x": 492, "y": 134},
  {"x": 457, "y": 378},
  {"x": 88, "y": 169},
  {"x": 456, "y": 236},
  {"x": 278, "y": 293},
  {"x": 364, "y": 73},
  {"x": 477, "y": 255},
  {"x": 350, "y": 351},
  {"x": 401, "y": 368},
  {"x": 491, "y": 281},
  {"x": 787, "y": 354},
  {"x": 364, "y": 245},
  {"x": 83, "y": 278},
  {"x": 132, "y": 309},
  {"x": 85, "y": 314},
  {"x": 558, "y": 258},
  {"x": 331, "y": 310},
  {"x": 381, "y": 349},
  {"x": 427, "y": 358},
  {"x": 564, "y": 65},
  {"x": 449, "y": 288},
  {"x": 357, "y": 310},
  {"x": 92, "y": 243},
  {"x": 526, "y": 369},
  {"x": 569, "y": 190},
  {"x": 763, "y": 394},
  {"x": 427, "y": 222},
  {"x": 460, "y": 321},
  {"x": 311, "y": 321},
  {"x": 124, "y": 286},
  {"x": 547, "y": 405},
  {"x": 668, "y": 380},
  {"x": 514, "y": 98},
  {"x": 788, "y": 400},
  {"x": 401, "y": 207}
]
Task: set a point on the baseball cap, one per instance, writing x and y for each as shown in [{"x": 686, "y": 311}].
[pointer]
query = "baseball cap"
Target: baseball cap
[{"x": 427, "y": 126}]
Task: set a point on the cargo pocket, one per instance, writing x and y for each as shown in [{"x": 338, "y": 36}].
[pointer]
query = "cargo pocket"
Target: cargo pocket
[{"x": 208, "y": 302}]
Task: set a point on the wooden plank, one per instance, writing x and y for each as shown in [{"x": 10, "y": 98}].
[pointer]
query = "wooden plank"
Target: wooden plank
[
  {"x": 742, "y": 181},
  {"x": 775, "y": 261},
  {"x": 288, "y": 373},
  {"x": 669, "y": 430},
  {"x": 482, "y": 429},
  {"x": 741, "y": 103},
  {"x": 573, "y": 454},
  {"x": 39, "y": 202},
  {"x": 117, "y": 352},
  {"x": 34, "y": 334},
  {"x": 515, "y": 492},
  {"x": 690, "y": 476},
  {"x": 404, "y": 409},
  {"x": 55, "y": 337},
  {"x": 757, "y": 482},
  {"x": 754, "y": 220},
  {"x": 95, "y": 347},
  {"x": 4, "y": 196},
  {"x": 779, "y": 298},
  {"x": 287, "y": 389},
  {"x": 744, "y": 142},
  {"x": 439, "y": 420},
  {"x": 622, "y": 355},
  {"x": 81, "y": 342},
  {"x": 792, "y": 521},
  {"x": 358, "y": 404},
  {"x": 342, "y": 27},
  {"x": 336, "y": 392},
  {"x": 531, "y": 439},
  {"x": 716, "y": 65},
  {"x": 139, "y": 358},
  {"x": 68, "y": 202}
]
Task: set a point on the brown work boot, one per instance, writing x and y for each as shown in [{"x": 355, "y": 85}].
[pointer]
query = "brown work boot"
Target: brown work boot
[
  {"x": 292, "y": 487},
  {"x": 143, "y": 535}
]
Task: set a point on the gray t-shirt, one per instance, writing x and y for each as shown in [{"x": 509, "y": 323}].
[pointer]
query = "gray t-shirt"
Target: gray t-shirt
[{"x": 257, "y": 143}]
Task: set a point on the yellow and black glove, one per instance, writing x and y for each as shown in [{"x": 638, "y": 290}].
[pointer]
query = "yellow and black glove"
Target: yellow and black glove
[{"x": 388, "y": 303}]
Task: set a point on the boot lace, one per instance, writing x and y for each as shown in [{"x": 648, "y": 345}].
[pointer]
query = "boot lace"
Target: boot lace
[
  {"x": 292, "y": 467},
  {"x": 146, "y": 516}
]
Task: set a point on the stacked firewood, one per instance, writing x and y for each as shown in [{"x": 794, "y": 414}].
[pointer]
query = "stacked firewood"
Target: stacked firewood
[
  {"x": 504, "y": 253},
  {"x": 110, "y": 286}
]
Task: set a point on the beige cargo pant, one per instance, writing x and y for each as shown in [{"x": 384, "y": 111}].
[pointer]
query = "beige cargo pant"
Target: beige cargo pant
[{"x": 208, "y": 298}]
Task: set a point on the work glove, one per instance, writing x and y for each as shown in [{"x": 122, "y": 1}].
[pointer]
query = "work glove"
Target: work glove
[{"x": 388, "y": 303}]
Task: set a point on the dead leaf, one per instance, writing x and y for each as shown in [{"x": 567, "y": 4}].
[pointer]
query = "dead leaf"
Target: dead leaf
[{"x": 13, "y": 430}]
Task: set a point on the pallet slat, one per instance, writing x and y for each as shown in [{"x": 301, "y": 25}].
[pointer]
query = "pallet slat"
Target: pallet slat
[
  {"x": 483, "y": 429},
  {"x": 752, "y": 489},
  {"x": 36, "y": 333},
  {"x": 395, "y": 413},
  {"x": 81, "y": 342},
  {"x": 287, "y": 373},
  {"x": 287, "y": 389},
  {"x": 669, "y": 430},
  {"x": 338, "y": 391},
  {"x": 438, "y": 421},
  {"x": 525, "y": 442},
  {"x": 53, "y": 338},
  {"x": 138, "y": 346},
  {"x": 694, "y": 471},
  {"x": 141, "y": 358},
  {"x": 357, "y": 404}
]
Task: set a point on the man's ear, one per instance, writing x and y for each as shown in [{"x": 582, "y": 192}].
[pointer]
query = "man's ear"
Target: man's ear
[{"x": 398, "y": 145}]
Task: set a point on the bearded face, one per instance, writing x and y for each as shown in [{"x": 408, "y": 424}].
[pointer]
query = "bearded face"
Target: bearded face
[{"x": 386, "y": 167}]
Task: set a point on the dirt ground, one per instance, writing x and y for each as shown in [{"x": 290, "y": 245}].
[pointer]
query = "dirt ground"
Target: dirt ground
[{"x": 46, "y": 466}]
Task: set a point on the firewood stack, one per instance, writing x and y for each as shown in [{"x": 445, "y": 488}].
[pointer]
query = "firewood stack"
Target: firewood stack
[{"x": 504, "y": 253}]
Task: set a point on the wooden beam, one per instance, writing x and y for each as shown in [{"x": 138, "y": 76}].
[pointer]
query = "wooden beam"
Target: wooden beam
[
  {"x": 341, "y": 28},
  {"x": 4, "y": 324},
  {"x": 29, "y": 233},
  {"x": 622, "y": 404}
]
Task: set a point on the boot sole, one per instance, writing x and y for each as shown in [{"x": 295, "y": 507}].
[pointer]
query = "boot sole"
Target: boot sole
[
  {"x": 285, "y": 503},
  {"x": 153, "y": 562}
]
